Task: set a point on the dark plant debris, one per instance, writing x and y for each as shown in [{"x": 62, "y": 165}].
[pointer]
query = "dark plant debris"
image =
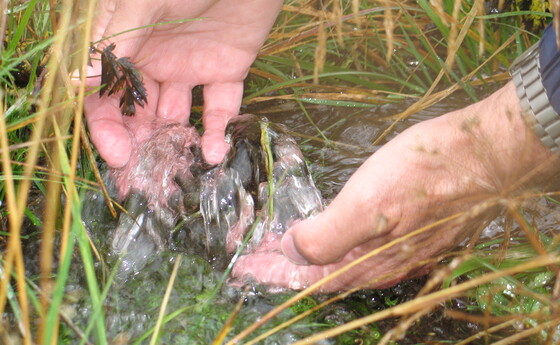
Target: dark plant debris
[{"x": 120, "y": 74}]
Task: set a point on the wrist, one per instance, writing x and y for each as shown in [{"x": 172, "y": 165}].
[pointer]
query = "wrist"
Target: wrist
[{"x": 501, "y": 141}]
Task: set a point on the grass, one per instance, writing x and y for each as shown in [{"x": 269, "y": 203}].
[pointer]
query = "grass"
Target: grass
[{"x": 354, "y": 54}]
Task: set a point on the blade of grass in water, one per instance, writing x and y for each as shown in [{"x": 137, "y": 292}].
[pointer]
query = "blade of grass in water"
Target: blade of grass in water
[
  {"x": 89, "y": 270},
  {"x": 308, "y": 117},
  {"x": 84, "y": 246},
  {"x": 98, "y": 309},
  {"x": 333, "y": 103},
  {"x": 165, "y": 320},
  {"x": 515, "y": 14},
  {"x": 165, "y": 301},
  {"x": 52, "y": 318},
  {"x": 269, "y": 164}
]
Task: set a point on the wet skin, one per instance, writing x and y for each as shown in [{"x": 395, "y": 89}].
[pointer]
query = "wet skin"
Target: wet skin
[{"x": 214, "y": 51}]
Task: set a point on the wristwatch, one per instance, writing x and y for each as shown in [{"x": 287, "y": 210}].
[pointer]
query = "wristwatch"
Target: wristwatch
[{"x": 534, "y": 101}]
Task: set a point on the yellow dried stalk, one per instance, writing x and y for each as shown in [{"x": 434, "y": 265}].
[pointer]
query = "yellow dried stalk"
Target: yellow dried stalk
[
  {"x": 452, "y": 42},
  {"x": 13, "y": 251},
  {"x": 389, "y": 25},
  {"x": 320, "y": 53},
  {"x": 481, "y": 32},
  {"x": 437, "y": 5},
  {"x": 355, "y": 10},
  {"x": 337, "y": 18}
]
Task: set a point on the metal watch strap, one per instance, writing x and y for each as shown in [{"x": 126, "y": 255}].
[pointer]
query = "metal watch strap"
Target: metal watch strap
[{"x": 534, "y": 101}]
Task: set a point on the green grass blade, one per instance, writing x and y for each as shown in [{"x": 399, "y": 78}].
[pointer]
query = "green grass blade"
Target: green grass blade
[
  {"x": 15, "y": 39},
  {"x": 99, "y": 308},
  {"x": 165, "y": 301},
  {"x": 52, "y": 318}
]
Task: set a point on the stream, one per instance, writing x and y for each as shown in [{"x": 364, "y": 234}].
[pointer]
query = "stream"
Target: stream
[{"x": 201, "y": 299}]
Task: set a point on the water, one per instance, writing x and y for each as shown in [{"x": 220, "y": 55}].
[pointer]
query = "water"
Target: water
[
  {"x": 231, "y": 197},
  {"x": 262, "y": 186},
  {"x": 206, "y": 218},
  {"x": 234, "y": 197}
]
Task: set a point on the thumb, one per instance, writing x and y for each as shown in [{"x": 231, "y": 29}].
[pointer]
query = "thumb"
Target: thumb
[{"x": 345, "y": 224}]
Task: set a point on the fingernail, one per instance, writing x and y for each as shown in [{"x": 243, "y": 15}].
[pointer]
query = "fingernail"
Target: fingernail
[{"x": 290, "y": 251}]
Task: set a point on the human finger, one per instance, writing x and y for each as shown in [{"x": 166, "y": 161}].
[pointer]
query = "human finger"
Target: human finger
[
  {"x": 273, "y": 269},
  {"x": 111, "y": 134},
  {"x": 107, "y": 130},
  {"x": 221, "y": 102},
  {"x": 174, "y": 102}
]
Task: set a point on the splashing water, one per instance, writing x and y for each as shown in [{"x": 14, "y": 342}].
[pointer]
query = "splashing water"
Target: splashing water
[{"x": 175, "y": 200}]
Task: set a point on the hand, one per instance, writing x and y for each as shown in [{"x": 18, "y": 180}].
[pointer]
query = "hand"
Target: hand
[
  {"x": 433, "y": 170},
  {"x": 215, "y": 51}
]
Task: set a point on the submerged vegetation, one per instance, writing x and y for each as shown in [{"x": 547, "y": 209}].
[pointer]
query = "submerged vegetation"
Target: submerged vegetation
[{"x": 56, "y": 287}]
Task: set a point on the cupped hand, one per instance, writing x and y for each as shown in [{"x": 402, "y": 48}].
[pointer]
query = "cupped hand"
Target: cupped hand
[
  {"x": 214, "y": 50},
  {"x": 457, "y": 166}
]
